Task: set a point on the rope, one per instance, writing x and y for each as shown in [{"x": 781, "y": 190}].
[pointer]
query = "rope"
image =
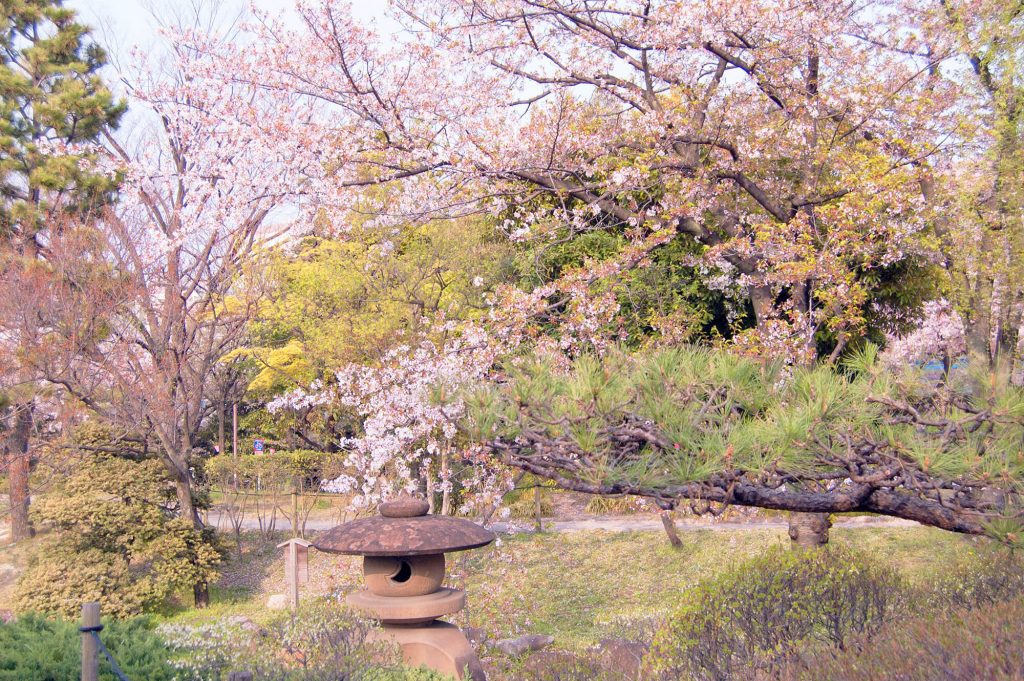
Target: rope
[{"x": 95, "y": 632}]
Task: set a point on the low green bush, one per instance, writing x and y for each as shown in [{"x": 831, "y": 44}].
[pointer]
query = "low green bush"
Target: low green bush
[
  {"x": 321, "y": 642},
  {"x": 984, "y": 643},
  {"x": 280, "y": 470},
  {"x": 750, "y": 619},
  {"x": 33, "y": 648},
  {"x": 992, "y": 575}
]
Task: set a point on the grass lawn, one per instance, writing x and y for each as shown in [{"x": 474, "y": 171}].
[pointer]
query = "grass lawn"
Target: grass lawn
[{"x": 576, "y": 586}]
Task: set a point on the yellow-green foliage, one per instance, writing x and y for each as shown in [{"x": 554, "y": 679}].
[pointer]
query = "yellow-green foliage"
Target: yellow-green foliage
[
  {"x": 115, "y": 540},
  {"x": 522, "y": 504},
  {"x": 336, "y": 301},
  {"x": 282, "y": 470},
  {"x": 599, "y": 505}
]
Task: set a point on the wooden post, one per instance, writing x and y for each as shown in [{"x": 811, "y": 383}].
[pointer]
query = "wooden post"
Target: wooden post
[
  {"x": 536, "y": 508},
  {"x": 90, "y": 650},
  {"x": 295, "y": 515},
  {"x": 670, "y": 528},
  {"x": 293, "y": 583},
  {"x": 296, "y": 567}
]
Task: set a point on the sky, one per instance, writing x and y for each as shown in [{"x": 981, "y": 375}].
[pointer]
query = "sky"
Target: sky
[{"x": 120, "y": 24}]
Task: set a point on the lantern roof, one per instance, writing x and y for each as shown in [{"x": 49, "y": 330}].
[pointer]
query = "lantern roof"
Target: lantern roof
[{"x": 404, "y": 528}]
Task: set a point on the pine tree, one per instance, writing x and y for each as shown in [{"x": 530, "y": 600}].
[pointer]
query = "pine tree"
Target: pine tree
[
  {"x": 55, "y": 107},
  {"x": 705, "y": 427}
]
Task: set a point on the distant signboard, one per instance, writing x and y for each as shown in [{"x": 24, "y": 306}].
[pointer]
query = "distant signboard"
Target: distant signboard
[
  {"x": 934, "y": 370},
  {"x": 257, "y": 446}
]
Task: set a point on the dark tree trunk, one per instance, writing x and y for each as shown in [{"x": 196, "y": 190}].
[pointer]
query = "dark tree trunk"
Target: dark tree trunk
[
  {"x": 539, "y": 517},
  {"x": 18, "y": 468},
  {"x": 201, "y": 593},
  {"x": 183, "y": 487},
  {"x": 805, "y": 529},
  {"x": 809, "y": 530},
  {"x": 763, "y": 301}
]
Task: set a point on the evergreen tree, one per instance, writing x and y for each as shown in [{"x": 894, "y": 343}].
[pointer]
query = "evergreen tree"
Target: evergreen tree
[{"x": 55, "y": 107}]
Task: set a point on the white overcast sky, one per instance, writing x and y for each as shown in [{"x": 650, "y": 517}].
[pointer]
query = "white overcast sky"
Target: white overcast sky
[{"x": 120, "y": 24}]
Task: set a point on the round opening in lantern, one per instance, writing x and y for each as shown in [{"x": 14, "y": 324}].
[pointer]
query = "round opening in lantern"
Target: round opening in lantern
[{"x": 403, "y": 573}]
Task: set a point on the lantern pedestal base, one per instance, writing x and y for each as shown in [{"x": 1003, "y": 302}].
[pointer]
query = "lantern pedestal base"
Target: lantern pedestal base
[
  {"x": 407, "y": 610},
  {"x": 439, "y": 645}
]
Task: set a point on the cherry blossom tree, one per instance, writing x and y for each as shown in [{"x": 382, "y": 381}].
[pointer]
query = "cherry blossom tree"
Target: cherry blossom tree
[
  {"x": 941, "y": 336},
  {"x": 788, "y": 141},
  {"x": 146, "y": 301},
  {"x": 410, "y": 405},
  {"x": 983, "y": 231},
  {"x": 793, "y": 146}
]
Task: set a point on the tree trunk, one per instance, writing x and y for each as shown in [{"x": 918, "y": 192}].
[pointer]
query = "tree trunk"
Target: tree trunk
[
  {"x": 446, "y": 493},
  {"x": 221, "y": 413},
  {"x": 670, "y": 529},
  {"x": 183, "y": 488},
  {"x": 18, "y": 468},
  {"x": 1017, "y": 370},
  {"x": 430, "y": 492},
  {"x": 201, "y": 594},
  {"x": 809, "y": 530},
  {"x": 186, "y": 505},
  {"x": 805, "y": 529},
  {"x": 763, "y": 301}
]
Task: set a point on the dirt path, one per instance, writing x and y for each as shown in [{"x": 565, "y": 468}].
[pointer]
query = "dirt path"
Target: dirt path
[{"x": 633, "y": 523}]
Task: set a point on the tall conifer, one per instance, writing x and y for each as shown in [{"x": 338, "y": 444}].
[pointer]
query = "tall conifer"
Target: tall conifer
[{"x": 54, "y": 108}]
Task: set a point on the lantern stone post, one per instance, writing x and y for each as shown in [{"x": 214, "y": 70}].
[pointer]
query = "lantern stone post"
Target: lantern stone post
[{"x": 404, "y": 568}]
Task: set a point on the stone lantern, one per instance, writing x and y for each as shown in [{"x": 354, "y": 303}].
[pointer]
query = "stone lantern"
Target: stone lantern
[{"x": 404, "y": 568}]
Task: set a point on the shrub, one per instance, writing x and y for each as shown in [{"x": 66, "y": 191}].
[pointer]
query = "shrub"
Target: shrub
[
  {"x": 601, "y": 505},
  {"x": 116, "y": 542},
  {"x": 523, "y": 506},
  {"x": 567, "y": 667},
  {"x": 33, "y": 648},
  {"x": 278, "y": 471},
  {"x": 983, "y": 643},
  {"x": 754, "y": 616},
  {"x": 989, "y": 576},
  {"x": 320, "y": 642}
]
